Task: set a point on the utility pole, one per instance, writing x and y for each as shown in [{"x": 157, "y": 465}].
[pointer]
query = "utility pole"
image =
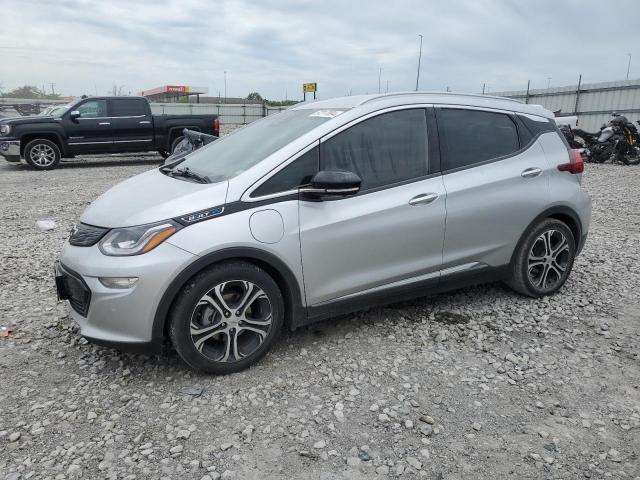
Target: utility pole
[
  {"x": 548, "y": 82},
  {"x": 379, "y": 78},
  {"x": 53, "y": 92},
  {"x": 628, "y": 65},
  {"x": 483, "y": 87},
  {"x": 419, "y": 59},
  {"x": 225, "y": 86}
]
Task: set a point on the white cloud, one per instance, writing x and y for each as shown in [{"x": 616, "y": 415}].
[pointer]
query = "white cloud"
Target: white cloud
[{"x": 274, "y": 46}]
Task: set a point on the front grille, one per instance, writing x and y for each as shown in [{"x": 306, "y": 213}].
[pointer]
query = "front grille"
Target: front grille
[
  {"x": 74, "y": 289},
  {"x": 83, "y": 235}
]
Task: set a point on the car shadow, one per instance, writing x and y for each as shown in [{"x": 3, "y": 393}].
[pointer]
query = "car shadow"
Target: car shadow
[{"x": 409, "y": 312}]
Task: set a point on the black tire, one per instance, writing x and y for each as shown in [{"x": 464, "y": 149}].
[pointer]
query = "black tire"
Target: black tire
[
  {"x": 631, "y": 158},
  {"x": 217, "y": 351},
  {"x": 42, "y": 154},
  {"x": 533, "y": 258},
  {"x": 175, "y": 143},
  {"x": 163, "y": 153}
]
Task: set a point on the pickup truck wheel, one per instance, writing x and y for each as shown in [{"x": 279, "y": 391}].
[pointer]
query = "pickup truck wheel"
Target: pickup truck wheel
[
  {"x": 163, "y": 153},
  {"x": 42, "y": 154},
  {"x": 175, "y": 143}
]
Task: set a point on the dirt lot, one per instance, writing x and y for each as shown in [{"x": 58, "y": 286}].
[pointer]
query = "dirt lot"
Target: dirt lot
[{"x": 480, "y": 383}]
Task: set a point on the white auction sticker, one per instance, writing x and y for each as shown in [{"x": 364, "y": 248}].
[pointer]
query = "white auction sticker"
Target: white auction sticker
[{"x": 327, "y": 113}]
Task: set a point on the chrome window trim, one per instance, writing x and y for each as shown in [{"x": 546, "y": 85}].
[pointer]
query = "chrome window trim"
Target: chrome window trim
[{"x": 342, "y": 128}]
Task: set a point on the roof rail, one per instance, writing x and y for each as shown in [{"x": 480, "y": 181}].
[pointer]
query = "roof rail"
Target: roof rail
[{"x": 453, "y": 94}]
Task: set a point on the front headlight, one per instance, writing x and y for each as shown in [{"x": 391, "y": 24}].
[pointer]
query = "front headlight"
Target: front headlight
[
  {"x": 137, "y": 240},
  {"x": 5, "y": 129}
]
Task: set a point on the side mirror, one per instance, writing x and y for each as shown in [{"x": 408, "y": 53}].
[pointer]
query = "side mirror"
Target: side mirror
[
  {"x": 74, "y": 114},
  {"x": 335, "y": 183}
]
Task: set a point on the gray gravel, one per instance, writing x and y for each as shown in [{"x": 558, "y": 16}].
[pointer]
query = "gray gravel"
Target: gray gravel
[{"x": 480, "y": 383}]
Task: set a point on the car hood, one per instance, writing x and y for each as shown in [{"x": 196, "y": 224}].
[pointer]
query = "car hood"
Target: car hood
[
  {"x": 152, "y": 197},
  {"x": 20, "y": 120}
]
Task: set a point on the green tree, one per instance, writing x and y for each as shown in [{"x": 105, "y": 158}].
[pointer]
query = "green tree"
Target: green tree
[
  {"x": 254, "y": 97},
  {"x": 29, "y": 91}
]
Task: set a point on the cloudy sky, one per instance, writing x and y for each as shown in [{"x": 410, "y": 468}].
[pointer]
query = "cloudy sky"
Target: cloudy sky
[{"x": 274, "y": 46}]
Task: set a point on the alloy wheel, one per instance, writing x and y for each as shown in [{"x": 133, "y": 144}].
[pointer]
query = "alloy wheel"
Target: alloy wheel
[
  {"x": 42, "y": 155},
  {"x": 231, "y": 321},
  {"x": 548, "y": 259}
]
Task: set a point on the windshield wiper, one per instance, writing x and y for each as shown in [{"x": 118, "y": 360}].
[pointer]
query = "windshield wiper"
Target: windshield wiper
[{"x": 188, "y": 173}]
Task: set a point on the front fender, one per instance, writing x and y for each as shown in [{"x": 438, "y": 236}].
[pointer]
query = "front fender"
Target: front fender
[{"x": 295, "y": 312}]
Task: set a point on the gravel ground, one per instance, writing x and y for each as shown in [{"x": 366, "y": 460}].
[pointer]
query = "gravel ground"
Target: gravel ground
[{"x": 479, "y": 383}]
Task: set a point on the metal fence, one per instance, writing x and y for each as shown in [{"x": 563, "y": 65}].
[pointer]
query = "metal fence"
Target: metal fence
[
  {"x": 593, "y": 103},
  {"x": 229, "y": 113}
]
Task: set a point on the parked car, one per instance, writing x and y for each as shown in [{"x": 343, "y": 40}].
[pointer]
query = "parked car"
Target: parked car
[
  {"x": 96, "y": 125},
  {"x": 326, "y": 208}
]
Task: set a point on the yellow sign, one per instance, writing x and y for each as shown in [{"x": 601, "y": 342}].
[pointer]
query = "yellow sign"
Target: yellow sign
[{"x": 309, "y": 87}]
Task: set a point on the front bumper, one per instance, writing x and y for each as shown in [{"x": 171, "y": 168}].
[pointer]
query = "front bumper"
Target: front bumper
[
  {"x": 10, "y": 150},
  {"x": 120, "y": 318}
]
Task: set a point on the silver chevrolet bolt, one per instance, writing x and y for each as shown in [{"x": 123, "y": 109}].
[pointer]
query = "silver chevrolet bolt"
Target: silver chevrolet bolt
[{"x": 326, "y": 208}]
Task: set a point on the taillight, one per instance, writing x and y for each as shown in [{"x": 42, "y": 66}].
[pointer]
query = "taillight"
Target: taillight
[
  {"x": 575, "y": 165},
  {"x": 216, "y": 127}
]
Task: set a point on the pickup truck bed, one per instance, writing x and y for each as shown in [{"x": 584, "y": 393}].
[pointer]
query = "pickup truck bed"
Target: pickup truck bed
[{"x": 97, "y": 125}]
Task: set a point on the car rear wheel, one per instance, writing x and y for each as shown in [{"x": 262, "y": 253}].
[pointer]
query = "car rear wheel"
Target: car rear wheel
[
  {"x": 544, "y": 259},
  {"x": 42, "y": 154},
  {"x": 226, "y": 318},
  {"x": 163, "y": 153}
]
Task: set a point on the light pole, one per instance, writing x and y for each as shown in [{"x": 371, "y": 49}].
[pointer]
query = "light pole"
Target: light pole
[
  {"x": 379, "y": 78},
  {"x": 628, "y": 65},
  {"x": 419, "y": 59},
  {"x": 225, "y": 86}
]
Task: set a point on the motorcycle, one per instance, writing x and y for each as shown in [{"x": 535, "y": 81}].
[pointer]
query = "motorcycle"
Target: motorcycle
[
  {"x": 192, "y": 140},
  {"x": 618, "y": 140}
]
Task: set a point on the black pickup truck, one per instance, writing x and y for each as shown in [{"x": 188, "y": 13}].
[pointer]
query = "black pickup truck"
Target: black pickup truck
[{"x": 96, "y": 125}]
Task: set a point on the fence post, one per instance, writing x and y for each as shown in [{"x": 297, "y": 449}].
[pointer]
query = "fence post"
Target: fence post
[
  {"x": 264, "y": 108},
  {"x": 244, "y": 114},
  {"x": 526, "y": 99},
  {"x": 575, "y": 108}
]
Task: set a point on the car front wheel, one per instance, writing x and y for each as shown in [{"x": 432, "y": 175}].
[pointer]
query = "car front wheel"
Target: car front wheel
[
  {"x": 42, "y": 154},
  {"x": 226, "y": 318},
  {"x": 544, "y": 259}
]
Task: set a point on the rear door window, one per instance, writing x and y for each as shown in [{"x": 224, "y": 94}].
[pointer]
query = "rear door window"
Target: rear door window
[
  {"x": 127, "y": 107},
  {"x": 475, "y": 136}
]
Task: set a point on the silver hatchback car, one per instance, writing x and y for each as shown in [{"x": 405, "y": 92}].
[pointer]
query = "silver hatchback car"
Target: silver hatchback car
[{"x": 326, "y": 208}]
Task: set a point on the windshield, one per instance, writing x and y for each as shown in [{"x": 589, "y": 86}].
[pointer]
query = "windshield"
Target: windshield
[{"x": 233, "y": 154}]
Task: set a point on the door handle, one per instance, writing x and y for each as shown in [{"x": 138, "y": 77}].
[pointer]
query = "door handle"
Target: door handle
[
  {"x": 104, "y": 123},
  {"x": 145, "y": 121},
  {"x": 531, "y": 172},
  {"x": 423, "y": 199}
]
